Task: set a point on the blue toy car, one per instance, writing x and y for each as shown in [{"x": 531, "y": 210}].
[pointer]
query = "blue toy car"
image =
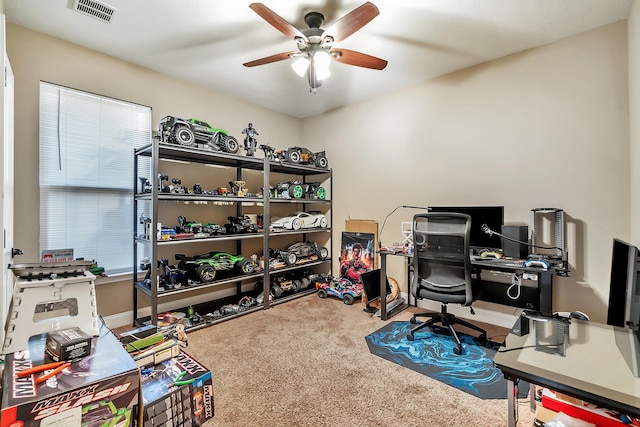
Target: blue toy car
[{"x": 340, "y": 288}]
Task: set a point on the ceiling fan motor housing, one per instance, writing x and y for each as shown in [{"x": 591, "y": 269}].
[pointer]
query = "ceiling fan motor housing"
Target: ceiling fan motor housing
[{"x": 314, "y": 19}]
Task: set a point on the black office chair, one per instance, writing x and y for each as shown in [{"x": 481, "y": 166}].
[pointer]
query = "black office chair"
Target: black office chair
[{"x": 442, "y": 270}]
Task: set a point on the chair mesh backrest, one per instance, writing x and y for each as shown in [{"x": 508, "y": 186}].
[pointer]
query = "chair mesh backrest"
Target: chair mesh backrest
[{"x": 441, "y": 253}]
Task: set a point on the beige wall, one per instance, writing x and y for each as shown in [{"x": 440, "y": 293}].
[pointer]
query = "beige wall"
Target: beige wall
[
  {"x": 544, "y": 128},
  {"x": 633, "y": 25},
  {"x": 36, "y": 57}
]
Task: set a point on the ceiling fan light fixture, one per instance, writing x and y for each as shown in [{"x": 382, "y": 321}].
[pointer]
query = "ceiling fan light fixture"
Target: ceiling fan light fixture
[
  {"x": 321, "y": 61},
  {"x": 300, "y": 66}
]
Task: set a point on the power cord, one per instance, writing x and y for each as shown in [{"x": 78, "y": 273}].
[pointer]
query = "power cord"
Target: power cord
[{"x": 516, "y": 282}]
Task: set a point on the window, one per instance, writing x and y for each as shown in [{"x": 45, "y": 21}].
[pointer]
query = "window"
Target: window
[{"x": 86, "y": 174}]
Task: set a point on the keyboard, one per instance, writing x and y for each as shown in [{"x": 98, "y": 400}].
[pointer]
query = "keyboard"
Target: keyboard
[{"x": 517, "y": 263}]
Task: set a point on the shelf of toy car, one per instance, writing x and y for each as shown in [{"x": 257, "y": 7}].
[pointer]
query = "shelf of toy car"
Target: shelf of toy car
[
  {"x": 305, "y": 262},
  {"x": 169, "y": 151},
  {"x": 282, "y": 231},
  {"x": 284, "y": 167},
  {"x": 144, "y": 286}
]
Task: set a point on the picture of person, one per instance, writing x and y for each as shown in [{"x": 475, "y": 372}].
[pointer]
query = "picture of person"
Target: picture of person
[{"x": 356, "y": 256}]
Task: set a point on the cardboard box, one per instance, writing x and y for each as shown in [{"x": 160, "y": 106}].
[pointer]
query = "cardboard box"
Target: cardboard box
[
  {"x": 602, "y": 417},
  {"x": 177, "y": 392},
  {"x": 157, "y": 354},
  {"x": 68, "y": 344},
  {"x": 104, "y": 386},
  {"x": 544, "y": 415}
]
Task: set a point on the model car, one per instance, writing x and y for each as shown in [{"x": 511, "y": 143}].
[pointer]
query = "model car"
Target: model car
[
  {"x": 298, "y": 190},
  {"x": 289, "y": 282},
  {"x": 340, "y": 288},
  {"x": 302, "y": 155},
  {"x": 193, "y": 131},
  {"x": 204, "y": 267},
  {"x": 241, "y": 224},
  {"x": 185, "y": 226},
  {"x": 299, "y": 250},
  {"x": 298, "y": 220},
  {"x": 212, "y": 229}
]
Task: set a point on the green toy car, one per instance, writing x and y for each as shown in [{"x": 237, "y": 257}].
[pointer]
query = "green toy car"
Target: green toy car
[
  {"x": 203, "y": 268},
  {"x": 192, "y": 132}
]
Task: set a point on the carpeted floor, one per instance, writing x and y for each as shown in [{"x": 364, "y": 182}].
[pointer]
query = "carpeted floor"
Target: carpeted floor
[
  {"x": 306, "y": 363},
  {"x": 433, "y": 354}
]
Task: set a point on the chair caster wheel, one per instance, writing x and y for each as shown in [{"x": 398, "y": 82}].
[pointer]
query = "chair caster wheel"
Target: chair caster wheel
[
  {"x": 410, "y": 337},
  {"x": 413, "y": 321},
  {"x": 457, "y": 349}
]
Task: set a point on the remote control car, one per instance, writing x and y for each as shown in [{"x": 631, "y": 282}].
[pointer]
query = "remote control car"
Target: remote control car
[
  {"x": 298, "y": 220},
  {"x": 303, "y": 155},
  {"x": 282, "y": 284},
  {"x": 240, "y": 224},
  {"x": 298, "y": 190},
  {"x": 298, "y": 251},
  {"x": 340, "y": 288},
  {"x": 193, "y": 131},
  {"x": 203, "y": 268},
  {"x": 212, "y": 229}
]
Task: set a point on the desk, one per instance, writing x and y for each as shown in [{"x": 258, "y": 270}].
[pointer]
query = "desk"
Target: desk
[
  {"x": 593, "y": 369},
  {"x": 537, "y": 298}
]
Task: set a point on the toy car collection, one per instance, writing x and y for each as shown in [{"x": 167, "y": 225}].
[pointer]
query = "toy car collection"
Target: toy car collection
[
  {"x": 298, "y": 220},
  {"x": 203, "y": 268},
  {"x": 193, "y": 131},
  {"x": 340, "y": 288}
]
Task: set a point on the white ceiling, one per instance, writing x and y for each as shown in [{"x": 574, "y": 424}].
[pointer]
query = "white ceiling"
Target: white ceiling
[{"x": 207, "y": 41}]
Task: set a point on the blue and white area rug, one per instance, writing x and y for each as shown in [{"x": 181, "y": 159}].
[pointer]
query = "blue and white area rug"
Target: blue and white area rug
[{"x": 431, "y": 354}]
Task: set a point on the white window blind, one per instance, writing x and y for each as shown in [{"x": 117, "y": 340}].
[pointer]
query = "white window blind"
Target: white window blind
[{"x": 86, "y": 174}]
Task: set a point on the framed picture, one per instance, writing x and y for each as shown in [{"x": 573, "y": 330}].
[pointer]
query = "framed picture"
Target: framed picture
[{"x": 357, "y": 255}]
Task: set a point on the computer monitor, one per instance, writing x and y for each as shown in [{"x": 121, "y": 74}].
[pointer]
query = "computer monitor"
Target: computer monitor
[
  {"x": 624, "y": 287},
  {"x": 371, "y": 285},
  {"x": 492, "y": 216}
]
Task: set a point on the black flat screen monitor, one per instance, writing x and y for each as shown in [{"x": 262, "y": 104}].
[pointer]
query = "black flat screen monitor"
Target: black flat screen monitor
[
  {"x": 492, "y": 216},
  {"x": 371, "y": 285},
  {"x": 624, "y": 289}
]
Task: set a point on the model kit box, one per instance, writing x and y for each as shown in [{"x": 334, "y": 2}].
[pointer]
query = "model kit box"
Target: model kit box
[
  {"x": 68, "y": 344},
  {"x": 177, "y": 392},
  {"x": 101, "y": 388}
]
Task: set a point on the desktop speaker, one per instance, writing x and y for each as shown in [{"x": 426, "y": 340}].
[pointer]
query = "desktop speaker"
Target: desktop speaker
[{"x": 513, "y": 249}]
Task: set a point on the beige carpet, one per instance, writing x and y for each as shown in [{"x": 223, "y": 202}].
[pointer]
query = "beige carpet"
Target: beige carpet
[{"x": 306, "y": 363}]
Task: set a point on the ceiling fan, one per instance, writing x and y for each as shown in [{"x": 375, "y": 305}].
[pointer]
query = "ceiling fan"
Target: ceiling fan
[{"x": 315, "y": 45}]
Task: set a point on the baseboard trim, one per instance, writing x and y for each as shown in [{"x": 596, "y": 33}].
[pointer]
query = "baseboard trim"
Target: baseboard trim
[{"x": 486, "y": 312}]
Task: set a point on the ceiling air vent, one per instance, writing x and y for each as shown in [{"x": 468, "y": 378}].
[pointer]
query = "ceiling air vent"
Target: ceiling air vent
[{"x": 96, "y": 9}]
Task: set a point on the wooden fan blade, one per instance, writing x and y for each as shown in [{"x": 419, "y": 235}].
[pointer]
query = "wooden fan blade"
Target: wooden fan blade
[
  {"x": 352, "y": 22},
  {"x": 359, "y": 59},
  {"x": 277, "y": 21},
  {"x": 269, "y": 59}
]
